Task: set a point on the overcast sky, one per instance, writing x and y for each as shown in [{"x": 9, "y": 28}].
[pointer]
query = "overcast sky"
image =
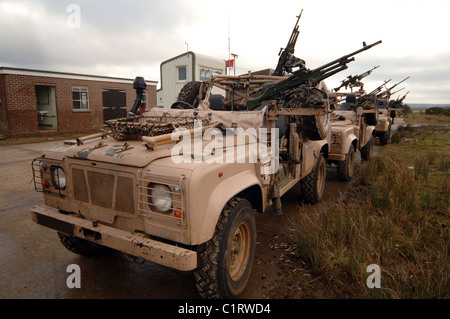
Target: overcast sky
[{"x": 132, "y": 38}]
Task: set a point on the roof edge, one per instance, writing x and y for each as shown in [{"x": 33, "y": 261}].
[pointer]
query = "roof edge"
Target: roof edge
[{"x": 34, "y": 72}]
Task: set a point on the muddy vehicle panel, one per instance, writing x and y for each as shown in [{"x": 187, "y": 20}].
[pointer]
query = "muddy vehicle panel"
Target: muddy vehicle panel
[{"x": 383, "y": 127}]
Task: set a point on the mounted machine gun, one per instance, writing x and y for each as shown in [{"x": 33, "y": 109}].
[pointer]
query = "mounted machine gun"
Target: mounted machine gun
[
  {"x": 353, "y": 81},
  {"x": 302, "y": 81},
  {"x": 287, "y": 60}
]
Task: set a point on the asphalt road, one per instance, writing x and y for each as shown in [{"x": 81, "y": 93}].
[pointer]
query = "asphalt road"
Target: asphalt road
[{"x": 33, "y": 263}]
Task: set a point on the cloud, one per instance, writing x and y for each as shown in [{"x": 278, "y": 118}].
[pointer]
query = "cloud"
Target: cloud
[{"x": 129, "y": 38}]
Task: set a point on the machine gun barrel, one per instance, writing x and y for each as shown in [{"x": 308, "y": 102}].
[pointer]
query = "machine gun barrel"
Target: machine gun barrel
[
  {"x": 305, "y": 76},
  {"x": 402, "y": 98},
  {"x": 378, "y": 89},
  {"x": 352, "y": 80},
  {"x": 362, "y": 100},
  {"x": 398, "y": 83},
  {"x": 387, "y": 93},
  {"x": 367, "y": 73},
  {"x": 289, "y": 50},
  {"x": 347, "y": 58}
]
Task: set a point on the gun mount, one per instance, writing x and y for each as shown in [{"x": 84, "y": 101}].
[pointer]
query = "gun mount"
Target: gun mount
[
  {"x": 368, "y": 100},
  {"x": 355, "y": 81},
  {"x": 398, "y": 102},
  {"x": 287, "y": 60},
  {"x": 305, "y": 79}
]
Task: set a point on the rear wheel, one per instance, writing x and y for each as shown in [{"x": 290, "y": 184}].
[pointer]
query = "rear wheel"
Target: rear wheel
[
  {"x": 367, "y": 151},
  {"x": 225, "y": 261},
  {"x": 313, "y": 185}
]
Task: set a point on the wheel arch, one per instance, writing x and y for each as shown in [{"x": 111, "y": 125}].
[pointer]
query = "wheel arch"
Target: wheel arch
[{"x": 250, "y": 190}]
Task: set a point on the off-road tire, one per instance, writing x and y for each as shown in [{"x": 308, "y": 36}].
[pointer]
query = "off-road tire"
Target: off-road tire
[
  {"x": 384, "y": 137},
  {"x": 367, "y": 150},
  {"x": 81, "y": 246},
  {"x": 345, "y": 168},
  {"x": 316, "y": 127},
  {"x": 189, "y": 93},
  {"x": 313, "y": 185},
  {"x": 217, "y": 276}
]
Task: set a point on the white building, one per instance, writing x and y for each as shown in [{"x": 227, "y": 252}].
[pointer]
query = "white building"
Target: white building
[{"x": 186, "y": 67}]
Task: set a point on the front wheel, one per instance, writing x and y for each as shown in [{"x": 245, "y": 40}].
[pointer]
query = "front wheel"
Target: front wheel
[
  {"x": 81, "y": 246},
  {"x": 225, "y": 261},
  {"x": 345, "y": 168},
  {"x": 313, "y": 185},
  {"x": 384, "y": 137}
]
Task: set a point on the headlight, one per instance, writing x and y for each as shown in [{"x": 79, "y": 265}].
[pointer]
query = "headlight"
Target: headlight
[
  {"x": 333, "y": 139},
  {"x": 160, "y": 198},
  {"x": 336, "y": 138},
  {"x": 58, "y": 177}
]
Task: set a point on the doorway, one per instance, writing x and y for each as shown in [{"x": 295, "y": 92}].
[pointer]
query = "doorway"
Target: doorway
[
  {"x": 114, "y": 104},
  {"x": 46, "y": 108}
]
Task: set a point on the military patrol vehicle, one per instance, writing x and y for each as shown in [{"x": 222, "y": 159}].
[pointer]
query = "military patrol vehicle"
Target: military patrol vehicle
[{"x": 180, "y": 186}]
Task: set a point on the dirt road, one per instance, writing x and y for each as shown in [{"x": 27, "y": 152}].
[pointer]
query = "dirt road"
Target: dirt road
[{"x": 33, "y": 263}]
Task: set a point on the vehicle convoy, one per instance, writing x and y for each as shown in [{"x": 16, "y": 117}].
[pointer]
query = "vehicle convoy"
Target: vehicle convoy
[
  {"x": 387, "y": 113},
  {"x": 180, "y": 186},
  {"x": 351, "y": 131}
]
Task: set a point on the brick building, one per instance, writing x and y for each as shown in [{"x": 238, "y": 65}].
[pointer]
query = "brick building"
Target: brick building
[{"x": 34, "y": 102}]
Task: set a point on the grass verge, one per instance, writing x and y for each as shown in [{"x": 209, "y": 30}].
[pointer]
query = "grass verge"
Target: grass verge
[
  {"x": 426, "y": 118},
  {"x": 397, "y": 217}
]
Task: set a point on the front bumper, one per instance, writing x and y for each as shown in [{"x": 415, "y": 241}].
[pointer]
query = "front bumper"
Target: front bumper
[{"x": 131, "y": 243}]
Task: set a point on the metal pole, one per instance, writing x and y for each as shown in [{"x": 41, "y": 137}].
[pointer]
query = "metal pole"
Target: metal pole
[{"x": 234, "y": 61}]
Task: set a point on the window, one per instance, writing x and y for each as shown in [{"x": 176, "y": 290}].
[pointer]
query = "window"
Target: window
[
  {"x": 205, "y": 74},
  {"x": 182, "y": 73},
  {"x": 80, "y": 98}
]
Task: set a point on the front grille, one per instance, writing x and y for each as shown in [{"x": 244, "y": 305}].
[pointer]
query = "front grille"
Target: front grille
[
  {"x": 79, "y": 185},
  {"x": 102, "y": 189},
  {"x": 101, "y": 186},
  {"x": 124, "y": 195}
]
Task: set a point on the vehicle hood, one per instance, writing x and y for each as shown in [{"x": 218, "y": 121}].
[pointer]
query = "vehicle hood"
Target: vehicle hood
[{"x": 129, "y": 153}]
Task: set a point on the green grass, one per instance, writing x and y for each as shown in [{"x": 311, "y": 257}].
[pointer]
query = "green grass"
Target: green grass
[
  {"x": 397, "y": 217},
  {"x": 426, "y": 118}
]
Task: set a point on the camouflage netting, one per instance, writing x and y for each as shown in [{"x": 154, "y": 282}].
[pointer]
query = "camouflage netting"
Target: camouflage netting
[{"x": 134, "y": 128}]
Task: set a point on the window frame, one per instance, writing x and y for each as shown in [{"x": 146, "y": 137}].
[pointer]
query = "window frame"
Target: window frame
[
  {"x": 178, "y": 73},
  {"x": 80, "y": 90}
]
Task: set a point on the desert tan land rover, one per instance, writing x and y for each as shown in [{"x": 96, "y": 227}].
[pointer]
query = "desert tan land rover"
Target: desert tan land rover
[
  {"x": 350, "y": 133},
  {"x": 387, "y": 113},
  {"x": 185, "y": 200}
]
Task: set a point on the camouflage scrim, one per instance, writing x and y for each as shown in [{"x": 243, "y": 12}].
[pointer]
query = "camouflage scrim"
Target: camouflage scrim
[{"x": 134, "y": 128}]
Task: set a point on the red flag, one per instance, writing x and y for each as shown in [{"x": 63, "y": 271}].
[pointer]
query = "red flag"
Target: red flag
[{"x": 230, "y": 63}]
